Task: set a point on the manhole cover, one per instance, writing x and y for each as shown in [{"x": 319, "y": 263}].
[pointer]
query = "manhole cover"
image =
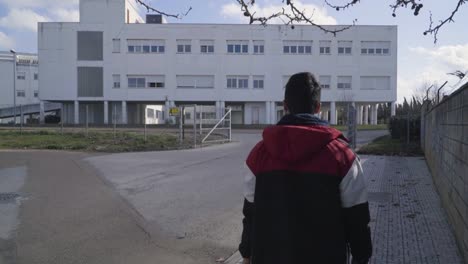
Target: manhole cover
[
  {"x": 380, "y": 197},
  {"x": 8, "y": 197}
]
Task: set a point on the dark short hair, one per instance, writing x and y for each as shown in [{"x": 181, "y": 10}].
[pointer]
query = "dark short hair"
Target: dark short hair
[{"x": 302, "y": 93}]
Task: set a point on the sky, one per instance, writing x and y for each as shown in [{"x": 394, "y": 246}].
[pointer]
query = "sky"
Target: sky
[{"x": 420, "y": 61}]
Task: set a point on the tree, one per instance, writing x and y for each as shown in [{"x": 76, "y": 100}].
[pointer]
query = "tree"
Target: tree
[
  {"x": 291, "y": 14},
  {"x": 459, "y": 74}
]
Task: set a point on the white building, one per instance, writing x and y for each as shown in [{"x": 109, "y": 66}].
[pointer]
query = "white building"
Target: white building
[
  {"x": 112, "y": 60},
  {"x": 26, "y": 90}
]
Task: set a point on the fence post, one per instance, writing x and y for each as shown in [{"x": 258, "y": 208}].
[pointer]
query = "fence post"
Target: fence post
[
  {"x": 230, "y": 124},
  {"x": 145, "y": 130},
  {"x": 408, "y": 129},
  {"x": 201, "y": 120},
  {"x": 114, "y": 117},
  {"x": 194, "y": 126},
  {"x": 183, "y": 123},
  {"x": 61, "y": 119},
  {"x": 87, "y": 133},
  {"x": 21, "y": 119},
  {"x": 180, "y": 127}
]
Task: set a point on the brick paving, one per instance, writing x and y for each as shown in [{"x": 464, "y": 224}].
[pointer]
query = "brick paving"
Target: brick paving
[{"x": 407, "y": 221}]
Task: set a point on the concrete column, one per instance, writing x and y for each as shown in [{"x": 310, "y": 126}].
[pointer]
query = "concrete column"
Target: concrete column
[
  {"x": 77, "y": 113},
  {"x": 218, "y": 109},
  {"x": 373, "y": 114},
  {"x": 267, "y": 112},
  {"x": 393, "y": 110},
  {"x": 222, "y": 108},
  {"x": 359, "y": 114},
  {"x": 124, "y": 113},
  {"x": 41, "y": 113},
  {"x": 166, "y": 111},
  {"x": 376, "y": 119},
  {"x": 273, "y": 112},
  {"x": 106, "y": 112},
  {"x": 333, "y": 115},
  {"x": 366, "y": 115}
]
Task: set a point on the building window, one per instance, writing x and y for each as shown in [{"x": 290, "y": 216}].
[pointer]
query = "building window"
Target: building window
[
  {"x": 344, "y": 82},
  {"x": 136, "y": 82},
  {"x": 237, "y": 82},
  {"x": 325, "y": 47},
  {"x": 90, "y": 45},
  {"x": 238, "y": 46},
  {"x": 146, "y": 46},
  {"x": 21, "y": 75},
  {"x": 149, "y": 113},
  {"x": 155, "y": 81},
  {"x": 20, "y": 93},
  {"x": 36, "y": 76},
  {"x": 36, "y": 94},
  {"x": 325, "y": 81},
  {"x": 116, "y": 81},
  {"x": 297, "y": 47},
  {"x": 195, "y": 81},
  {"x": 207, "y": 46},
  {"x": 345, "y": 47},
  {"x": 381, "y": 48},
  {"x": 375, "y": 82},
  {"x": 258, "y": 82},
  {"x": 259, "y": 46},
  {"x": 155, "y": 85},
  {"x": 90, "y": 81},
  {"x": 116, "y": 45},
  {"x": 184, "y": 46}
]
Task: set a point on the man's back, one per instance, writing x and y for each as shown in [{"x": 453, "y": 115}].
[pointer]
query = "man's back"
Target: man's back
[{"x": 308, "y": 200}]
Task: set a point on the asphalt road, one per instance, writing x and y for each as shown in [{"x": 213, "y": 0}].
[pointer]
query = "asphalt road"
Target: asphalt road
[
  {"x": 153, "y": 207},
  {"x": 193, "y": 195}
]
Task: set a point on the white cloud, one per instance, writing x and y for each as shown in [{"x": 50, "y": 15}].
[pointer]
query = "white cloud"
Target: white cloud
[
  {"x": 439, "y": 61},
  {"x": 65, "y": 15},
  {"x": 6, "y": 43},
  {"x": 22, "y": 19},
  {"x": 453, "y": 56},
  {"x": 39, "y": 3},
  {"x": 319, "y": 15}
]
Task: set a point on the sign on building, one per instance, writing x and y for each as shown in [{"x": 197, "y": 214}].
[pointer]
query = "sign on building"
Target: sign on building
[{"x": 174, "y": 111}]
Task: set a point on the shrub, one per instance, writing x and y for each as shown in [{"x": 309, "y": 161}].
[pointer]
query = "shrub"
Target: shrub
[{"x": 398, "y": 127}]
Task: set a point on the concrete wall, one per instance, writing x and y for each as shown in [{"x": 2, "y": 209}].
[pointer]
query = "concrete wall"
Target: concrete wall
[
  {"x": 445, "y": 143},
  {"x": 57, "y": 46},
  {"x": 29, "y": 85}
]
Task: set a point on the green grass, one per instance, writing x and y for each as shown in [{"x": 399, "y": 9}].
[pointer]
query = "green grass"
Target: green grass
[
  {"x": 94, "y": 142},
  {"x": 391, "y": 147},
  {"x": 364, "y": 127}
]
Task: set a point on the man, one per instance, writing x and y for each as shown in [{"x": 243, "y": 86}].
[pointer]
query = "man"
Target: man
[{"x": 305, "y": 195}]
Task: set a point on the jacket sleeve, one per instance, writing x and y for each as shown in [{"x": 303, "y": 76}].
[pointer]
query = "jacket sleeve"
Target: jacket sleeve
[
  {"x": 248, "y": 211},
  {"x": 356, "y": 213}
]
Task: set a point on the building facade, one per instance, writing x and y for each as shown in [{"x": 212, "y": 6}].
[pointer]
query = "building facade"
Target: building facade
[
  {"x": 111, "y": 61},
  {"x": 22, "y": 89}
]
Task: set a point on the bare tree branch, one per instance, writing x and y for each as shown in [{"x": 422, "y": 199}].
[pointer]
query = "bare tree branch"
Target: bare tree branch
[
  {"x": 416, "y": 6},
  {"x": 459, "y": 74},
  {"x": 150, "y": 8},
  {"x": 341, "y": 7},
  {"x": 434, "y": 30},
  {"x": 291, "y": 15},
  {"x": 294, "y": 17}
]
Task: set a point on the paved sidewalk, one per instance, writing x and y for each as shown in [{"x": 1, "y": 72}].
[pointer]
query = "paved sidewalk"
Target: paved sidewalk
[{"x": 407, "y": 221}]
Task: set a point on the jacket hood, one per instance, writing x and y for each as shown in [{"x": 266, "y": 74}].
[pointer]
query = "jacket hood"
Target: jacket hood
[{"x": 298, "y": 137}]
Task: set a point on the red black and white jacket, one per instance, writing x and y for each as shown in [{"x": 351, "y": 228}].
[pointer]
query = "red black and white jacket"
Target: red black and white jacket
[{"x": 305, "y": 197}]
